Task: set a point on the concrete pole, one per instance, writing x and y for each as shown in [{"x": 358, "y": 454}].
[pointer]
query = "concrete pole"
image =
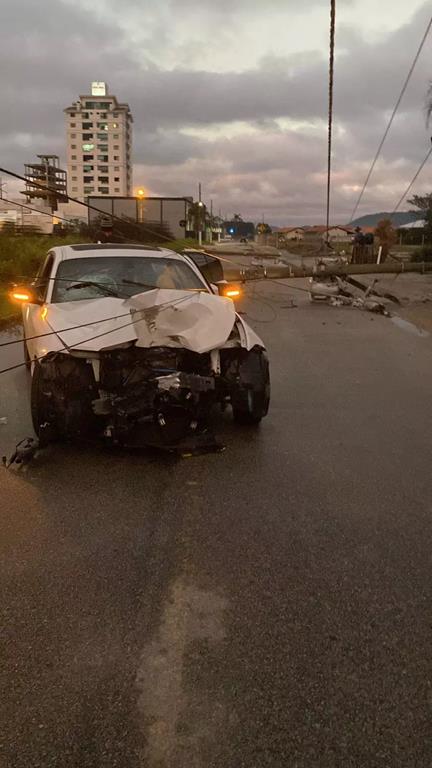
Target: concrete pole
[{"x": 199, "y": 222}]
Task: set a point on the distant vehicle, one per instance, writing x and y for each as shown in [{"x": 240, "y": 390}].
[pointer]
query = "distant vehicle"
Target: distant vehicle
[{"x": 135, "y": 345}]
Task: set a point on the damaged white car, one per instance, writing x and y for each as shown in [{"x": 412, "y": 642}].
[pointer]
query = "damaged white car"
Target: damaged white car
[{"x": 131, "y": 343}]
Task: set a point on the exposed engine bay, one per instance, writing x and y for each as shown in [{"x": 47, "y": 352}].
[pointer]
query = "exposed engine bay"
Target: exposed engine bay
[{"x": 134, "y": 396}]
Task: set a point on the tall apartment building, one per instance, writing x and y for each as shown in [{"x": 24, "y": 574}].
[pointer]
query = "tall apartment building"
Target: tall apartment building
[{"x": 99, "y": 145}]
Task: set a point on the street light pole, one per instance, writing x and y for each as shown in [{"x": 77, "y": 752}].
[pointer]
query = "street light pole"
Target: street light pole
[{"x": 200, "y": 215}]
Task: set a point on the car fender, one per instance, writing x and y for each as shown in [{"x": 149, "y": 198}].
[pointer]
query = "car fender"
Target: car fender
[{"x": 248, "y": 338}]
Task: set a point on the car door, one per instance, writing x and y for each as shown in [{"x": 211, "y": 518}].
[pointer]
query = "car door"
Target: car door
[{"x": 33, "y": 324}]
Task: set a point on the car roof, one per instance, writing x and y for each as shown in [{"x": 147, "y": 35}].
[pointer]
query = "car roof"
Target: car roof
[{"x": 93, "y": 250}]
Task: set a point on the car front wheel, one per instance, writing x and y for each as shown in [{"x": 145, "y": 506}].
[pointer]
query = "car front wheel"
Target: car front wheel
[{"x": 251, "y": 397}]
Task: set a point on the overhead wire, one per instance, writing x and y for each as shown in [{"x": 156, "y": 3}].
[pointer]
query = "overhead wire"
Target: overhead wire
[
  {"x": 392, "y": 117},
  {"x": 413, "y": 180},
  {"x": 99, "y": 335}
]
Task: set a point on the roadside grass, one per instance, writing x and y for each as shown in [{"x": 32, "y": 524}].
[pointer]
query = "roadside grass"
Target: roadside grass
[
  {"x": 21, "y": 256},
  {"x": 7, "y": 309}
]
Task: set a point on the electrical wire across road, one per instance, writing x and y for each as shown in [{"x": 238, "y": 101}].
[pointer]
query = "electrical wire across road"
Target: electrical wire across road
[{"x": 161, "y": 307}]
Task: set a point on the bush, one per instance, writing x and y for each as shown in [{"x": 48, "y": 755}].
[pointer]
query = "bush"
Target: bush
[
  {"x": 423, "y": 254},
  {"x": 20, "y": 257}
]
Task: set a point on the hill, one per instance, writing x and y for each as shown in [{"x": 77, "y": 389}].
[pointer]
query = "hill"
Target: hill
[{"x": 397, "y": 219}]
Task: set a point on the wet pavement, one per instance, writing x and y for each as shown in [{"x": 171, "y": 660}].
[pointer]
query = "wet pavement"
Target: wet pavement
[{"x": 267, "y": 606}]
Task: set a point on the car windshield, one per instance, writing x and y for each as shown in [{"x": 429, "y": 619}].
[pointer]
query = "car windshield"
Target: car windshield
[{"x": 123, "y": 276}]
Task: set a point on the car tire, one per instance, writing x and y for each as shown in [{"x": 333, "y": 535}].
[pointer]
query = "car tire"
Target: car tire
[
  {"x": 27, "y": 358},
  {"x": 251, "y": 398},
  {"x": 38, "y": 404}
]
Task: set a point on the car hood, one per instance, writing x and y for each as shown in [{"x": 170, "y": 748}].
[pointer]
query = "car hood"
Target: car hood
[{"x": 196, "y": 321}]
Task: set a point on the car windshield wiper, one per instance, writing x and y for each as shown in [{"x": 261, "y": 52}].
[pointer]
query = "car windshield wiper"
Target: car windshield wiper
[
  {"x": 140, "y": 285},
  {"x": 90, "y": 284},
  {"x": 157, "y": 287}
]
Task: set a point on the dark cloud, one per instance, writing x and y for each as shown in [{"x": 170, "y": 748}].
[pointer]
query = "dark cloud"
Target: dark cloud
[{"x": 48, "y": 59}]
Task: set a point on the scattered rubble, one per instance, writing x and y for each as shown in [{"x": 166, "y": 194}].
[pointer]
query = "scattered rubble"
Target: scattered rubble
[
  {"x": 348, "y": 291},
  {"x": 23, "y": 453}
]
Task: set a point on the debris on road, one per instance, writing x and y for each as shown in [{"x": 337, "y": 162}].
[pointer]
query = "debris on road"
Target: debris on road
[
  {"x": 23, "y": 453},
  {"x": 3, "y": 420},
  {"x": 347, "y": 291}
]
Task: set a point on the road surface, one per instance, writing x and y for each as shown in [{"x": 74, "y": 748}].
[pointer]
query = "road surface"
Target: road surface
[{"x": 270, "y": 606}]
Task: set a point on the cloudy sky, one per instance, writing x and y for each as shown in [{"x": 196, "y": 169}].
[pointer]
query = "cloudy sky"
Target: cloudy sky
[{"x": 232, "y": 93}]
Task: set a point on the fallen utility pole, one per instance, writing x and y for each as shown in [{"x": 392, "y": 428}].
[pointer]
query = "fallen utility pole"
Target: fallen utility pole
[{"x": 290, "y": 271}]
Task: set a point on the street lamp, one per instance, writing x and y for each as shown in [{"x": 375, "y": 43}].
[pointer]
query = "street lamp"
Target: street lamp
[{"x": 140, "y": 204}]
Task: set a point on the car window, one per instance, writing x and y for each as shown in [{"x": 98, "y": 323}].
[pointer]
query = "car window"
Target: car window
[
  {"x": 209, "y": 266},
  {"x": 119, "y": 275}
]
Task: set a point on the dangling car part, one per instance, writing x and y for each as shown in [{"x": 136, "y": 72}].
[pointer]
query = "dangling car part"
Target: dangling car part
[{"x": 134, "y": 347}]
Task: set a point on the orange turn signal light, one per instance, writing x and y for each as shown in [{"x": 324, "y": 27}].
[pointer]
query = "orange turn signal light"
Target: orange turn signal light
[
  {"x": 20, "y": 295},
  {"x": 231, "y": 291}
]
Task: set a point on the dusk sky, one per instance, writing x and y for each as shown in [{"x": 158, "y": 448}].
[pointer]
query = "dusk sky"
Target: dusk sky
[{"x": 232, "y": 93}]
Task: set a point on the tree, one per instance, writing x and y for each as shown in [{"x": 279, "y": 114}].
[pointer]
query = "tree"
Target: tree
[
  {"x": 424, "y": 205},
  {"x": 386, "y": 235},
  {"x": 263, "y": 229},
  {"x": 237, "y": 217}
]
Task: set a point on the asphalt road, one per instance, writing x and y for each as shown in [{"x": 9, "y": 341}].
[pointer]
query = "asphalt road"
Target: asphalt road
[{"x": 267, "y": 606}]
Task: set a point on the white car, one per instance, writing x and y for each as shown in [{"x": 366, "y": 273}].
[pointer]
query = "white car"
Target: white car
[{"x": 131, "y": 343}]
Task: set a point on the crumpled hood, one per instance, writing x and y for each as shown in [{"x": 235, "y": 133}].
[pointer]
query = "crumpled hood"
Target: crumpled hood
[{"x": 157, "y": 318}]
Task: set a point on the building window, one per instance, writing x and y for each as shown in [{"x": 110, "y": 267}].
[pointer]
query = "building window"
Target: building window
[
  {"x": 74, "y": 178},
  {"x": 116, "y": 189},
  {"x": 72, "y": 125},
  {"x": 86, "y": 158},
  {"x": 102, "y": 126},
  {"x": 71, "y": 114},
  {"x": 103, "y": 190},
  {"x": 101, "y": 136},
  {"x": 73, "y": 157},
  {"x": 116, "y": 178},
  {"x": 115, "y": 125},
  {"x": 116, "y": 146},
  {"x": 87, "y": 136},
  {"x": 103, "y": 180},
  {"x": 103, "y": 158},
  {"x": 73, "y": 146},
  {"x": 87, "y": 147},
  {"x": 115, "y": 114},
  {"x": 73, "y": 167},
  {"x": 103, "y": 115},
  {"x": 87, "y": 168},
  {"x": 115, "y": 135},
  {"x": 74, "y": 189},
  {"x": 116, "y": 157},
  {"x": 85, "y": 115},
  {"x": 103, "y": 148},
  {"x": 73, "y": 135},
  {"x": 88, "y": 190},
  {"x": 116, "y": 167},
  {"x": 88, "y": 179},
  {"x": 87, "y": 126},
  {"x": 103, "y": 169},
  {"x": 97, "y": 105}
]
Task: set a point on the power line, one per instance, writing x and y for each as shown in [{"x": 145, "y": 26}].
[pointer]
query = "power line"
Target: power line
[
  {"x": 416, "y": 175},
  {"x": 99, "y": 335},
  {"x": 330, "y": 108},
  {"x": 393, "y": 115}
]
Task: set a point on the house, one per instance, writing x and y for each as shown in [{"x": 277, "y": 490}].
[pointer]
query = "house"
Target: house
[
  {"x": 336, "y": 234},
  {"x": 291, "y": 233}
]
